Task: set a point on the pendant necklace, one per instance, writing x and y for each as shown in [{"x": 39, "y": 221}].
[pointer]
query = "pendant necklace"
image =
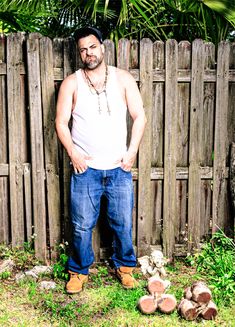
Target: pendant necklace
[{"x": 92, "y": 86}]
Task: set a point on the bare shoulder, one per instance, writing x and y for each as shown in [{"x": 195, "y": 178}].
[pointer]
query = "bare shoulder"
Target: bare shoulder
[
  {"x": 124, "y": 77},
  {"x": 69, "y": 83}
]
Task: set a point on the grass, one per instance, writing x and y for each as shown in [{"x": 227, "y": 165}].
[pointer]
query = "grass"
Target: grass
[{"x": 102, "y": 303}]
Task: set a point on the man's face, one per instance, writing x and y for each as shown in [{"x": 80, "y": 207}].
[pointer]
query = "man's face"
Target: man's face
[{"x": 91, "y": 51}]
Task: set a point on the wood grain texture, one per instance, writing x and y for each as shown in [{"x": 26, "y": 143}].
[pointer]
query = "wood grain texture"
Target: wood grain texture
[
  {"x": 195, "y": 143},
  {"x": 16, "y": 122},
  {"x": 171, "y": 104},
  {"x": 144, "y": 159},
  {"x": 4, "y": 191},
  {"x": 50, "y": 144},
  {"x": 219, "y": 212},
  {"x": 37, "y": 151}
]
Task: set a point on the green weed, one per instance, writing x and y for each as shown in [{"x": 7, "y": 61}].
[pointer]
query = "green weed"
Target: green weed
[
  {"x": 99, "y": 278},
  {"x": 59, "y": 268},
  {"x": 5, "y": 275},
  {"x": 216, "y": 261}
]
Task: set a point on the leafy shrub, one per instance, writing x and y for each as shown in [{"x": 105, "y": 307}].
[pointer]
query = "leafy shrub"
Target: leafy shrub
[
  {"x": 59, "y": 268},
  {"x": 216, "y": 259}
]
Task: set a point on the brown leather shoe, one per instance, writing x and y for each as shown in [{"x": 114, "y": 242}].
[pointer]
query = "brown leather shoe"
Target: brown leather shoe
[
  {"x": 124, "y": 274},
  {"x": 76, "y": 282}
]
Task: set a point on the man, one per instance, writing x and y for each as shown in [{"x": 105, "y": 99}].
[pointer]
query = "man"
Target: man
[{"x": 98, "y": 96}]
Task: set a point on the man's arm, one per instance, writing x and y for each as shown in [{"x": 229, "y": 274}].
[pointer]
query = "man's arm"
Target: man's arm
[
  {"x": 136, "y": 110},
  {"x": 63, "y": 115}
]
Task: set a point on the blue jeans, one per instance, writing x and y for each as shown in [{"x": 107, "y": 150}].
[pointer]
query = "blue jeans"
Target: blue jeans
[{"x": 86, "y": 190}]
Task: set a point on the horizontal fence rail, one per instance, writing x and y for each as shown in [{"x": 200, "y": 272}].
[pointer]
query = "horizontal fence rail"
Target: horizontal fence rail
[{"x": 181, "y": 176}]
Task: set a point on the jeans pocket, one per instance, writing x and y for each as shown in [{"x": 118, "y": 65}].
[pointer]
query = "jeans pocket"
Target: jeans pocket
[{"x": 80, "y": 174}]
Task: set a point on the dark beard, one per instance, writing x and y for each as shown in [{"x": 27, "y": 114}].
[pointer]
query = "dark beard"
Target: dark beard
[{"x": 92, "y": 64}]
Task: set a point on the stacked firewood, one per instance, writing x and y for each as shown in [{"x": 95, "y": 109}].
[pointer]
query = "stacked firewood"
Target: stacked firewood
[
  {"x": 158, "y": 299},
  {"x": 197, "y": 302}
]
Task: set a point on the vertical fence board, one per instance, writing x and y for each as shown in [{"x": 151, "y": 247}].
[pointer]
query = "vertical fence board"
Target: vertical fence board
[
  {"x": 158, "y": 107},
  {"x": 231, "y": 107},
  {"x": 171, "y": 102},
  {"x": 207, "y": 141},
  {"x": 124, "y": 60},
  {"x": 219, "y": 212},
  {"x": 36, "y": 135},
  {"x": 134, "y": 54},
  {"x": 69, "y": 68},
  {"x": 15, "y": 139},
  {"x": 232, "y": 180},
  {"x": 134, "y": 62},
  {"x": 231, "y": 135},
  {"x": 184, "y": 57},
  {"x": 157, "y": 142},
  {"x": 50, "y": 143},
  {"x": 144, "y": 181},
  {"x": 123, "y": 54},
  {"x": 28, "y": 202},
  {"x": 195, "y": 151},
  {"x": 4, "y": 210},
  {"x": 109, "y": 54}
]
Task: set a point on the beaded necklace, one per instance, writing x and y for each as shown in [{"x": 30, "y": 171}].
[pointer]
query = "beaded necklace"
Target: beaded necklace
[{"x": 92, "y": 87}]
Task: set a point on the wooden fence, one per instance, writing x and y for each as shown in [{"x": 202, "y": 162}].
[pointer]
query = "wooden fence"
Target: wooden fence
[{"x": 181, "y": 175}]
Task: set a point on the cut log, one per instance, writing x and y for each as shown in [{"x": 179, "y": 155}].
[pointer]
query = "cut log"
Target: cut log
[
  {"x": 200, "y": 293},
  {"x": 187, "y": 309},
  {"x": 188, "y": 293},
  {"x": 147, "y": 304},
  {"x": 157, "y": 286},
  {"x": 210, "y": 311},
  {"x": 167, "y": 303}
]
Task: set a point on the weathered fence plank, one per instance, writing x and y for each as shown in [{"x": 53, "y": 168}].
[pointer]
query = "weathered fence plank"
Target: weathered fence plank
[
  {"x": 232, "y": 178},
  {"x": 4, "y": 211},
  {"x": 69, "y": 50},
  {"x": 219, "y": 213},
  {"x": 231, "y": 100},
  {"x": 28, "y": 203},
  {"x": 144, "y": 182},
  {"x": 50, "y": 144},
  {"x": 195, "y": 150},
  {"x": 109, "y": 54},
  {"x": 157, "y": 142},
  {"x": 231, "y": 135},
  {"x": 37, "y": 154},
  {"x": 15, "y": 135},
  {"x": 171, "y": 102},
  {"x": 207, "y": 141},
  {"x": 184, "y": 62}
]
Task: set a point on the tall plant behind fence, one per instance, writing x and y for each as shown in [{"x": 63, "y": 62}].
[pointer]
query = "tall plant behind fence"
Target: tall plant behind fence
[{"x": 181, "y": 175}]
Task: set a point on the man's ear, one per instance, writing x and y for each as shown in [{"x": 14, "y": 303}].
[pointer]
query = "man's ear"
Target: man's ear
[{"x": 102, "y": 48}]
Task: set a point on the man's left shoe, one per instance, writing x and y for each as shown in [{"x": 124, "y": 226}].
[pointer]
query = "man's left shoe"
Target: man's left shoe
[{"x": 126, "y": 278}]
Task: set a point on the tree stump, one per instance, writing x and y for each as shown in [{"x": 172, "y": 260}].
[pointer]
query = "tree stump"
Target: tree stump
[
  {"x": 210, "y": 311},
  {"x": 167, "y": 303},
  {"x": 147, "y": 304},
  {"x": 200, "y": 293},
  {"x": 157, "y": 286},
  {"x": 188, "y": 309}
]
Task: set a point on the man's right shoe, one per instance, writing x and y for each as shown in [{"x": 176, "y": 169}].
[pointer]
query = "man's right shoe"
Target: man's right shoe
[{"x": 76, "y": 282}]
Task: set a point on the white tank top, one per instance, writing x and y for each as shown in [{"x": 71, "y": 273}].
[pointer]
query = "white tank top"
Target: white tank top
[{"x": 100, "y": 135}]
